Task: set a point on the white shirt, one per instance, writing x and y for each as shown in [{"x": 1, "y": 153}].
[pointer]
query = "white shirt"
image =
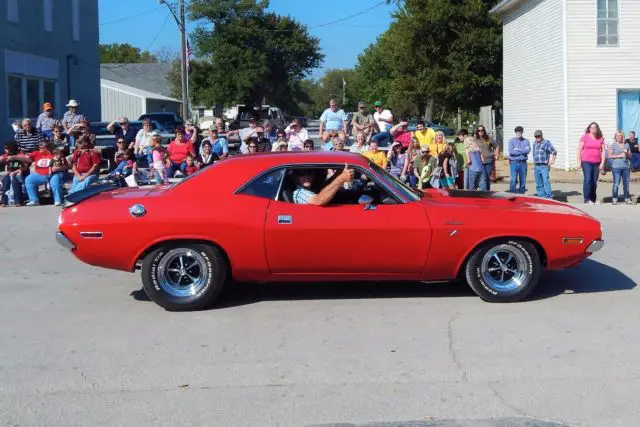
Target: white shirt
[
  {"x": 245, "y": 133},
  {"x": 296, "y": 139},
  {"x": 143, "y": 140},
  {"x": 385, "y": 114}
]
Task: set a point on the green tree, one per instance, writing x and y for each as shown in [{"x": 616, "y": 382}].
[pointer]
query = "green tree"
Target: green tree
[
  {"x": 124, "y": 53},
  {"x": 437, "y": 55},
  {"x": 249, "y": 55}
]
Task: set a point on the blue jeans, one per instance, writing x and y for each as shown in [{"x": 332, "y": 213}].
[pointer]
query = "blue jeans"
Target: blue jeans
[
  {"x": 518, "y": 176},
  {"x": 382, "y": 138},
  {"x": 590, "y": 183},
  {"x": 171, "y": 170},
  {"x": 15, "y": 183},
  {"x": 35, "y": 180},
  {"x": 618, "y": 175},
  {"x": 466, "y": 179},
  {"x": 413, "y": 181},
  {"x": 488, "y": 168},
  {"x": 81, "y": 185},
  {"x": 477, "y": 180},
  {"x": 160, "y": 177},
  {"x": 543, "y": 184},
  {"x": 635, "y": 161}
]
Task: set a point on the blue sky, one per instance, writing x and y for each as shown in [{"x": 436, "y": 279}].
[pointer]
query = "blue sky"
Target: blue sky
[{"x": 341, "y": 43}]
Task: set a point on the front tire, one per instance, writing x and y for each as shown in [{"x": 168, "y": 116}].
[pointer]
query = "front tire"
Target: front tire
[
  {"x": 504, "y": 271},
  {"x": 184, "y": 276}
]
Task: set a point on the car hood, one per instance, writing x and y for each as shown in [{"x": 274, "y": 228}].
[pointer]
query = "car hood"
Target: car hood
[
  {"x": 498, "y": 200},
  {"x": 110, "y": 191}
]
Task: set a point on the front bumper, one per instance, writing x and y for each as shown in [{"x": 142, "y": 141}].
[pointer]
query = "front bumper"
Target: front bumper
[
  {"x": 64, "y": 242},
  {"x": 595, "y": 246}
]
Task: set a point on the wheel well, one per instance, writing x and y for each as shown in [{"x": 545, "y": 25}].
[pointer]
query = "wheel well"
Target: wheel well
[
  {"x": 541, "y": 253},
  {"x": 196, "y": 241}
]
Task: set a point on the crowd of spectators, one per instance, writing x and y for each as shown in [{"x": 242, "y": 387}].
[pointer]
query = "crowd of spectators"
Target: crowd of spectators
[{"x": 55, "y": 151}]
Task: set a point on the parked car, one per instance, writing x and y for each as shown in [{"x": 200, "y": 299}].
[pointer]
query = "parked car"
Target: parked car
[
  {"x": 248, "y": 229},
  {"x": 266, "y": 112},
  {"x": 436, "y": 127},
  {"x": 169, "y": 121}
]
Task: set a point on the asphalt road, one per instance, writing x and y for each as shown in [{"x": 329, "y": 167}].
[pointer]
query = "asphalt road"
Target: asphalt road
[{"x": 83, "y": 346}]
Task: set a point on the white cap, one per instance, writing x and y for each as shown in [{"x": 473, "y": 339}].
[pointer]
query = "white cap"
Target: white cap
[{"x": 72, "y": 103}]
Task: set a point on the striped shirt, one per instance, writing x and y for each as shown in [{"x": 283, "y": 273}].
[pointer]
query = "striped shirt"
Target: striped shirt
[
  {"x": 301, "y": 196},
  {"x": 28, "y": 142}
]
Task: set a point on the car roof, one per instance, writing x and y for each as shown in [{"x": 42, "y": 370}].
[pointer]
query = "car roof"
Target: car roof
[{"x": 271, "y": 159}]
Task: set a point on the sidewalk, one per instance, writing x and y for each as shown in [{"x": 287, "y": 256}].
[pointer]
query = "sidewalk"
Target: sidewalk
[
  {"x": 571, "y": 192},
  {"x": 557, "y": 175}
]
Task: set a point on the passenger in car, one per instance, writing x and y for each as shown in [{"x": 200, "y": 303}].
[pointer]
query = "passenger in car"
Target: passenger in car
[{"x": 304, "y": 181}]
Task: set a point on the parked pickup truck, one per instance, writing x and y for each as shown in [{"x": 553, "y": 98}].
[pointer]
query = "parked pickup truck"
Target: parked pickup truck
[{"x": 266, "y": 112}]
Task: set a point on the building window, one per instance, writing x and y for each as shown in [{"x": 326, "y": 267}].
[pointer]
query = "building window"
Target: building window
[
  {"x": 15, "y": 97},
  {"x": 75, "y": 19},
  {"x": 27, "y": 94},
  {"x": 47, "y": 7},
  {"x": 608, "y": 22},
  {"x": 12, "y": 10}
]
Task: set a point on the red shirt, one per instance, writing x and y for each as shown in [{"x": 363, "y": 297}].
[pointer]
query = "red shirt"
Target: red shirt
[
  {"x": 404, "y": 138},
  {"x": 178, "y": 152},
  {"x": 41, "y": 161},
  {"x": 85, "y": 160},
  {"x": 191, "y": 169}
]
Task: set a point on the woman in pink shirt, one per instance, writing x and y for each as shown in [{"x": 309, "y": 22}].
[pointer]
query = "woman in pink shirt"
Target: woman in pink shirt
[{"x": 591, "y": 158}]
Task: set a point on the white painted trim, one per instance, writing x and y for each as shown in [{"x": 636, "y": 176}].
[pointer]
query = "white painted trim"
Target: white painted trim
[
  {"x": 565, "y": 71},
  {"x": 609, "y": 46}
]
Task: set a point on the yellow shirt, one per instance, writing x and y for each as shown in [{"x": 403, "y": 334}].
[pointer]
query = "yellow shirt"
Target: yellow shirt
[
  {"x": 378, "y": 157},
  {"x": 425, "y": 137},
  {"x": 435, "y": 149}
]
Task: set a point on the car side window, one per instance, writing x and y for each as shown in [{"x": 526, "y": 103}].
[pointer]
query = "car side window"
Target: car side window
[{"x": 265, "y": 185}]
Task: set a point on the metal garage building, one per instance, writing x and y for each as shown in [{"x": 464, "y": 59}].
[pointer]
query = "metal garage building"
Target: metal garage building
[{"x": 134, "y": 89}]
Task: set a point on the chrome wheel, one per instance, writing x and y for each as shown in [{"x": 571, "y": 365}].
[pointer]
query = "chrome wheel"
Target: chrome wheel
[
  {"x": 182, "y": 272},
  {"x": 504, "y": 268}
]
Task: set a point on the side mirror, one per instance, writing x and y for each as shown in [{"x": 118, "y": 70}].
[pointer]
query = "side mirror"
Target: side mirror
[{"x": 367, "y": 202}]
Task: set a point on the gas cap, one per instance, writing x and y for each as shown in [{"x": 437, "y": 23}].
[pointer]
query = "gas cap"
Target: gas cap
[{"x": 137, "y": 211}]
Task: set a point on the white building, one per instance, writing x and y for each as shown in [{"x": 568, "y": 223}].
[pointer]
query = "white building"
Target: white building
[{"x": 567, "y": 63}]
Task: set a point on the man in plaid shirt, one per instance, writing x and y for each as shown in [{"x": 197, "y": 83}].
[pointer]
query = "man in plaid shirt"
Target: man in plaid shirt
[{"x": 543, "y": 157}]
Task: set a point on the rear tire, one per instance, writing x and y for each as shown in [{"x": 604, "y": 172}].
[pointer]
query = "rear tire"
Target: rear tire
[
  {"x": 504, "y": 271},
  {"x": 184, "y": 276}
]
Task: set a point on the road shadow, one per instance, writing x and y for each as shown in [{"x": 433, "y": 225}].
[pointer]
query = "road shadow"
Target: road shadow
[
  {"x": 589, "y": 277},
  {"x": 563, "y": 196}
]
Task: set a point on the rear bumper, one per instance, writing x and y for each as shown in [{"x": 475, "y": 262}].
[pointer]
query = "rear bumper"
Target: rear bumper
[
  {"x": 64, "y": 242},
  {"x": 595, "y": 246}
]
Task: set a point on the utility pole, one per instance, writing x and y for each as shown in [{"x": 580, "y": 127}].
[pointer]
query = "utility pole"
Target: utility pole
[
  {"x": 186, "y": 112},
  {"x": 180, "y": 21}
]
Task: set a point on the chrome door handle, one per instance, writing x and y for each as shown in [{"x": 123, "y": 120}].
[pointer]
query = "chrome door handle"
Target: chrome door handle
[{"x": 285, "y": 219}]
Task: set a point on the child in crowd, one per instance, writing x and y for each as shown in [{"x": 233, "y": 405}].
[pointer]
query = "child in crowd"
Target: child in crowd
[
  {"x": 125, "y": 166},
  {"x": 158, "y": 167},
  {"x": 191, "y": 165},
  {"x": 13, "y": 180},
  {"x": 430, "y": 164},
  {"x": 59, "y": 161}
]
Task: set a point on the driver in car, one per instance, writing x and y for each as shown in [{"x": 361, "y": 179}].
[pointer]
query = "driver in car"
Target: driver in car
[{"x": 304, "y": 180}]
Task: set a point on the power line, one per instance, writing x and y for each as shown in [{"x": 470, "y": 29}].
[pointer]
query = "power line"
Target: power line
[
  {"x": 132, "y": 16},
  {"x": 159, "y": 32},
  {"x": 311, "y": 27}
]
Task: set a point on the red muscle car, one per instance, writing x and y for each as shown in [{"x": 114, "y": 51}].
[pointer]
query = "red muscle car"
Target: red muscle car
[{"x": 238, "y": 220}]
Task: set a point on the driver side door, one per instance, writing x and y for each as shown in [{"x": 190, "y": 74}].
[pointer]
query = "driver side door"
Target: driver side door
[{"x": 347, "y": 239}]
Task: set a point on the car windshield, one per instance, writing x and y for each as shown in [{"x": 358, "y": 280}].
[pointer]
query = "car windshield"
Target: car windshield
[{"x": 396, "y": 183}]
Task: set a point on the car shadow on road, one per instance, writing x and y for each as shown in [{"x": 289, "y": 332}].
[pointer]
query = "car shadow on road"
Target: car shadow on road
[{"x": 589, "y": 277}]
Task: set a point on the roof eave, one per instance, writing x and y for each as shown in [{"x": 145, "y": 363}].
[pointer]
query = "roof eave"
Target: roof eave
[{"x": 504, "y": 5}]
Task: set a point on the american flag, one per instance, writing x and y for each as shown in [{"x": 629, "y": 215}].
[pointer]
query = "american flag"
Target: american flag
[{"x": 188, "y": 53}]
